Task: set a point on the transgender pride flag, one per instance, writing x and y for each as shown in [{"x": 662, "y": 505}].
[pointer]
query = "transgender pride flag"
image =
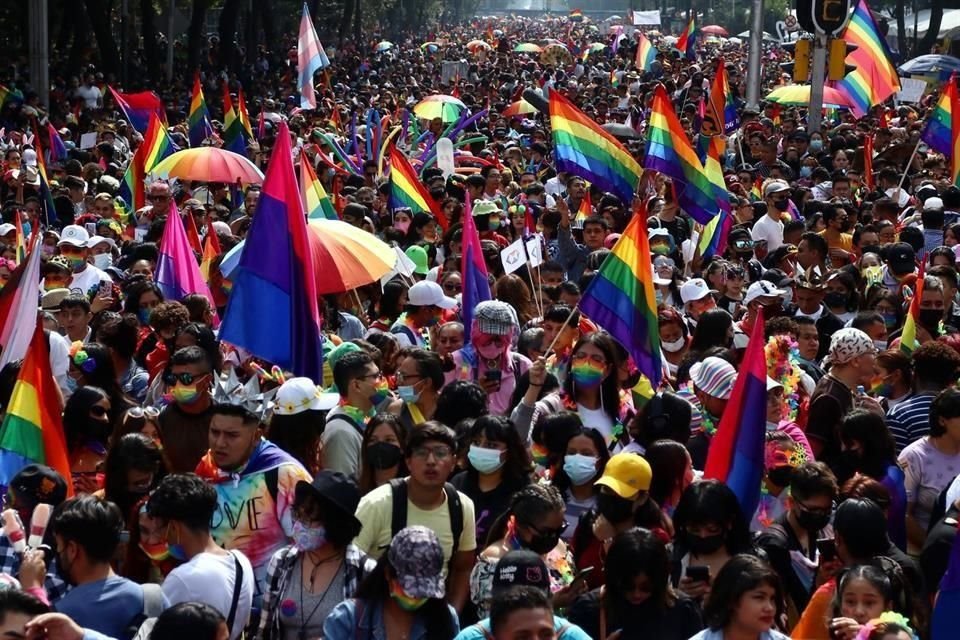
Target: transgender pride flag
[{"x": 310, "y": 59}]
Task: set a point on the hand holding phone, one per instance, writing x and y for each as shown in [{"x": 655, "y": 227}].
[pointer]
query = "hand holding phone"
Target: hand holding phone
[{"x": 698, "y": 573}]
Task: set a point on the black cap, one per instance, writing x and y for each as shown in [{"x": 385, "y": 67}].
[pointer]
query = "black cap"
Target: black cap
[
  {"x": 901, "y": 258},
  {"x": 333, "y": 490},
  {"x": 521, "y": 568},
  {"x": 37, "y": 483}
]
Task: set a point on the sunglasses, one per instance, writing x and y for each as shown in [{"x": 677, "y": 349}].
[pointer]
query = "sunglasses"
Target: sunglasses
[
  {"x": 170, "y": 378},
  {"x": 137, "y": 413}
]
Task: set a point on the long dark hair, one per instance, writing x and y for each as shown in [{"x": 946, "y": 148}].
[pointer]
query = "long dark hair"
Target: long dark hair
[
  {"x": 560, "y": 479},
  {"x": 740, "y": 574},
  {"x": 876, "y": 444},
  {"x": 375, "y": 590},
  {"x": 668, "y": 461},
  {"x": 133, "y": 451},
  {"x": 636, "y": 552},
  {"x": 78, "y": 426},
  {"x": 389, "y": 305},
  {"x": 103, "y": 374},
  {"x": 529, "y": 504},
  {"x": 711, "y": 330},
  {"x": 610, "y": 387},
  {"x": 712, "y": 502},
  {"x": 517, "y": 467},
  {"x": 366, "y": 471},
  {"x": 298, "y": 435}
]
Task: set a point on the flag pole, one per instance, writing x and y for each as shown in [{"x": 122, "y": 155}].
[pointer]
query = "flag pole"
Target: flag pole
[
  {"x": 549, "y": 349},
  {"x": 906, "y": 169}
]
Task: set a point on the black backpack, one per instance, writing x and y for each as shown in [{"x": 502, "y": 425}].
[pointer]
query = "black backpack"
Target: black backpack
[{"x": 398, "y": 518}]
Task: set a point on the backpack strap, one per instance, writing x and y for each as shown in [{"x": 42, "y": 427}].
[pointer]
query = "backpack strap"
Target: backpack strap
[
  {"x": 152, "y": 600},
  {"x": 455, "y": 506},
  {"x": 482, "y": 629},
  {"x": 562, "y": 630},
  {"x": 237, "y": 584},
  {"x": 398, "y": 517}
]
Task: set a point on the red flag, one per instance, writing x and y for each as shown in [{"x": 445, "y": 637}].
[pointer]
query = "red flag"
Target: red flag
[
  {"x": 868, "y": 162},
  {"x": 193, "y": 237}
]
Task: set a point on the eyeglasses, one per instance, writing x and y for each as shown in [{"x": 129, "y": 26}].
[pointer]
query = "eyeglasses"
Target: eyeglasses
[
  {"x": 402, "y": 377},
  {"x": 372, "y": 376},
  {"x": 581, "y": 356},
  {"x": 453, "y": 288},
  {"x": 98, "y": 411},
  {"x": 440, "y": 452},
  {"x": 814, "y": 510},
  {"x": 151, "y": 413},
  {"x": 170, "y": 378}
]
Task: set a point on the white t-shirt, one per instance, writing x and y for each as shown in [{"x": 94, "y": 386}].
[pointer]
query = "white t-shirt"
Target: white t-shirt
[
  {"x": 91, "y": 95},
  {"x": 766, "y": 228},
  {"x": 597, "y": 419},
  {"x": 87, "y": 279},
  {"x": 209, "y": 578}
]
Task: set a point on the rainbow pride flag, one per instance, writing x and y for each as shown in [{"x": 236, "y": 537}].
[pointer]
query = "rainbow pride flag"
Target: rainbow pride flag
[
  {"x": 646, "y": 53},
  {"x": 908, "y": 337},
  {"x": 576, "y": 15},
  {"x": 58, "y": 150},
  {"x": 198, "y": 117},
  {"x": 938, "y": 131},
  {"x": 32, "y": 429},
  {"x": 670, "y": 152},
  {"x": 46, "y": 195},
  {"x": 406, "y": 190},
  {"x": 316, "y": 202},
  {"x": 243, "y": 115},
  {"x": 6, "y": 93},
  {"x": 211, "y": 249},
  {"x": 713, "y": 236},
  {"x": 620, "y": 298},
  {"x": 585, "y": 210},
  {"x": 156, "y": 146},
  {"x": 583, "y": 148},
  {"x": 875, "y": 78},
  {"x": 722, "y": 106},
  {"x": 737, "y": 450},
  {"x": 687, "y": 42}
]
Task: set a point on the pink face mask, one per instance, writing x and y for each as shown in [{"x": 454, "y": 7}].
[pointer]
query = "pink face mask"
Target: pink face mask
[
  {"x": 490, "y": 346},
  {"x": 401, "y": 225}
]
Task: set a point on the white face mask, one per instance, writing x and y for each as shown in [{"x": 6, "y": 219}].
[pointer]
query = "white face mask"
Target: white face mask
[
  {"x": 881, "y": 345},
  {"x": 675, "y": 346},
  {"x": 103, "y": 260}
]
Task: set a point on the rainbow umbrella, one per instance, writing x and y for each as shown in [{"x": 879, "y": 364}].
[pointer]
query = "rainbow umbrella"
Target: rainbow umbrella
[
  {"x": 527, "y": 47},
  {"x": 431, "y": 47},
  {"x": 343, "y": 256},
  {"x": 478, "y": 45},
  {"x": 439, "y": 105},
  {"x": 593, "y": 47},
  {"x": 346, "y": 257},
  {"x": 799, "y": 94},
  {"x": 519, "y": 108},
  {"x": 383, "y": 45},
  {"x": 715, "y": 29},
  {"x": 209, "y": 164}
]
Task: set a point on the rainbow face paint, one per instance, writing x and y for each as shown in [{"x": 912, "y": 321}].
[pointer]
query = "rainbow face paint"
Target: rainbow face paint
[
  {"x": 380, "y": 393},
  {"x": 881, "y": 388},
  {"x": 587, "y": 374},
  {"x": 401, "y": 598}
]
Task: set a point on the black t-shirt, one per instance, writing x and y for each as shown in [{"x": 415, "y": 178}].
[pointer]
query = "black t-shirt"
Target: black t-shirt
[
  {"x": 831, "y": 400},
  {"x": 679, "y": 622},
  {"x": 487, "y": 505},
  {"x": 185, "y": 438},
  {"x": 936, "y": 550},
  {"x": 778, "y": 541}
]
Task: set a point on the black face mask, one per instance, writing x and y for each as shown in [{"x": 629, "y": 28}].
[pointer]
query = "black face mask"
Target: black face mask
[
  {"x": 383, "y": 455},
  {"x": 811, "y": 520},
  {"x": 930, "y": 319},
  {"x": 542, "y": 544},
  {"x": 780, "y": 476},
  {"x": 614, "y": 508},
  {"x": 705, "y": 545},
  {"x": 835, "y": 299}
]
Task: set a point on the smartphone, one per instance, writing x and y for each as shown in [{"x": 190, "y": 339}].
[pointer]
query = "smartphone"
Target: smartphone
[
  {"x": 106, "y": 289},
  {"x": 583, "y": 573},
  {"x": 698, "y": 573},
  {"x": 827, "y": 548},
  {"x": 91, "y": 228},
  {"x": 493, "y": 375}
]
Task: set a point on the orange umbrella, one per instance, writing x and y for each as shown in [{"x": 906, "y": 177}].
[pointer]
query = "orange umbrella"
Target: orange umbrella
[
  {"x": 209, "y": 164},
  {"x": 519, "y": 108}
]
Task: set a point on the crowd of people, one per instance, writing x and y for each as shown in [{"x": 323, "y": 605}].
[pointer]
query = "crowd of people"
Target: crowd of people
[{"x": 517, "y": 477}]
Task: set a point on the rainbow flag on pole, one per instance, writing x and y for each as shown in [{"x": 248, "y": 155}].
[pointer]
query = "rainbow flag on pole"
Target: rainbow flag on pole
[
  {"x": 687, "y": 42},
  {"x": 646, "y": 53},
  {"x": 620, "y": 298},
  {"x": 670, "y": 153},
  {"x": 243, "y": 115},
  {"x": 908, "y": 337},
  {"x": 583, "y": 148},
  {"x": 938, "y": 131},
  {"x": 875, "y": 78},
  {"x": 721, "y": 100},
  {"x": 736, "y": 452},
  {"x": 156, "y": 146},
  {"x": 406, "y": 190},
  {"x": 276, "y": 273},
  {"x": 713, "y": 236},
  {"x": 310, "y": 59},
  {"x": 316, "y": 202},
  {"x": 32, "y": 429},
  {"x": 199, "y": 117}
]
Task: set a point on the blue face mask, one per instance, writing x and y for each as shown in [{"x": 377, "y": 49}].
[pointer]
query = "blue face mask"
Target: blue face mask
[
  {"x": 816, "y": 145},
  {"x": 407, "y": 393},
  {"x": 579, "y": 468},
  {"x": 27, "y": 227},
  {"x": 806, "y": 171},
  {"x": 485, "y": 460}
]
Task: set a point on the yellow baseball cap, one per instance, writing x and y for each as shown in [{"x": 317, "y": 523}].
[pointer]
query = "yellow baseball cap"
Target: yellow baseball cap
[{"x": 627, "y": 474}]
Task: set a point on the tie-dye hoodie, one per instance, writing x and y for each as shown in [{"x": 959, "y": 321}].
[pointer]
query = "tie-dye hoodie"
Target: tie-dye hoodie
[{"x": 248, "y": 518}]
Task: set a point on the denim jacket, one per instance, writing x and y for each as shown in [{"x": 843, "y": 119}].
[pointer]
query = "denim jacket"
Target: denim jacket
[{"x": 342, "y": 623}]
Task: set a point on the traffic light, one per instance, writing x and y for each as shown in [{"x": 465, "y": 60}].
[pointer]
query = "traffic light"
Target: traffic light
[
  {"x": 799, "y": 69},
  {"x": 837, "y": 67}
]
